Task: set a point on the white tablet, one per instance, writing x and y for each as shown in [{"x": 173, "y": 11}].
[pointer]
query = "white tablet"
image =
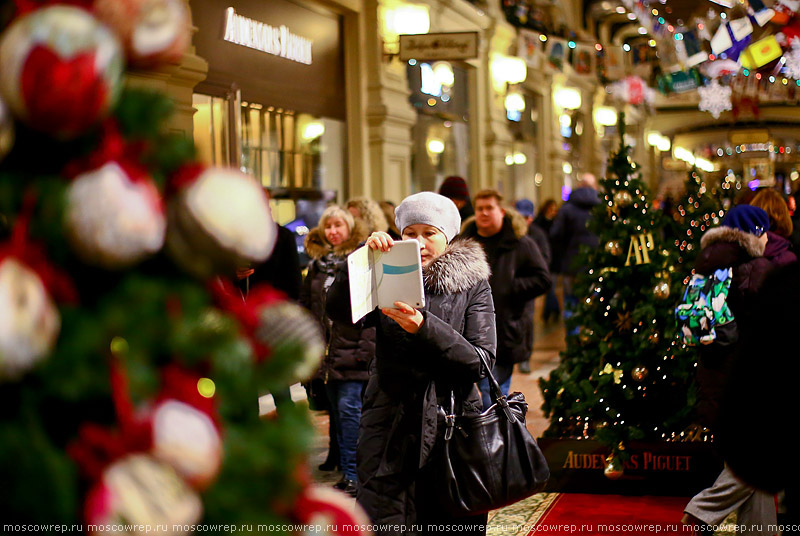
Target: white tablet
[{"x": 379, "y": 279}]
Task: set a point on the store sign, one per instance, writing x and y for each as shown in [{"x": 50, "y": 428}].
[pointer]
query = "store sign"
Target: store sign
[
  {"x": 439, "y": 46},
  {"x": 278, "y": 41}
]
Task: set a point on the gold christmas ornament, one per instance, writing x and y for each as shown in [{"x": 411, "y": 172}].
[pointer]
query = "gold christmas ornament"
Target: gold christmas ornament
[
  {"x": 623, "y": 198},
  {"x": 585, "y": 335},
  {"x": 639, "y": 373},
  {"x": 614, "y": 247},
  {"x": 613, "y": 468},
  {"x": 661, "y": 290}
]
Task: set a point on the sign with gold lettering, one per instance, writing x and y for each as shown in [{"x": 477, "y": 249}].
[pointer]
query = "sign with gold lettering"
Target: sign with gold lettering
[
  {"x": 665, "y": 468},
  {"x": 639, "y": 246},
  {"x": 439, "y": 46}
]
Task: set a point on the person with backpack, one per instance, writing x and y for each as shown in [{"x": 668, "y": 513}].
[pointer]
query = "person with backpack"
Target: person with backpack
[{"x": 738, "y": 244}]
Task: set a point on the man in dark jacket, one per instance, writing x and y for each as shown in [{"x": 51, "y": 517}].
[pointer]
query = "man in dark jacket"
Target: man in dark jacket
[
  {"x": 569, "y": 229},
  {"x": 526, "y": 210},
  {"x": 519, "y": 274}
]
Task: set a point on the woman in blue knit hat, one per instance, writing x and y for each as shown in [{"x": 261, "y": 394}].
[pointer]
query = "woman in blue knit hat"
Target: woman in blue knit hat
[{"x": 738, "y": 243}]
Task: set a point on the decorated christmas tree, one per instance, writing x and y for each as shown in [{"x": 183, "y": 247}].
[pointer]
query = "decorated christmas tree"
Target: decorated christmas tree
[
  {"x": 698, "y": 209},
  {"x": 621, "y": 377},
  {"x": 130, "y": 367}
]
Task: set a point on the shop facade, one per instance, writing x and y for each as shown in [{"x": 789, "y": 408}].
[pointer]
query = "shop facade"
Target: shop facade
[{"x": 274, "y": 102}]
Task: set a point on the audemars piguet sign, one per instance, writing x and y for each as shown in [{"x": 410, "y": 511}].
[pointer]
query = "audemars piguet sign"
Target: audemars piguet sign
[{"x": 278, "y": 41}]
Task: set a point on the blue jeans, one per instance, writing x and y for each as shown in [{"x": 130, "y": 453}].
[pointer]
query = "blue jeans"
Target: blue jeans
[
  {"x": 502, "y": 373},
  {"x": 345, "y": 397}
]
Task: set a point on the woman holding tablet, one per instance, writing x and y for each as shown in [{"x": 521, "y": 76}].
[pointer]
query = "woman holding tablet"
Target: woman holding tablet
[{"x": 421, "y": 354}]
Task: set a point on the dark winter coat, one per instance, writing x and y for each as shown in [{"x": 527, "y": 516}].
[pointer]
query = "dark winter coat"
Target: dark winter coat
[
  {"x": 761, "y": 399},
  {"x": 554, "y": 249},
  {"x": 519, "y": 274},
  {"x": 724, "y": 247},
  {"x": 779, "y": 250},
  {"x": 413, "y": 374},
  {"x": 569, "y": 228},
  {"x": 542, "y": 240},
  {"x": 281, "y": 269},
  {"x": 350, "y": 347}
]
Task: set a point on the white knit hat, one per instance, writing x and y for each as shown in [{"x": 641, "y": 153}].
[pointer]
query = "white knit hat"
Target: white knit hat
[{"x": 430, "y": 209}]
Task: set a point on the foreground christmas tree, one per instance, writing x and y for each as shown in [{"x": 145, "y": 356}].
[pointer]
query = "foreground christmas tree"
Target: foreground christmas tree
[
  {"x": 623, "y": 376},
  {"x": 130, "y": 367}
]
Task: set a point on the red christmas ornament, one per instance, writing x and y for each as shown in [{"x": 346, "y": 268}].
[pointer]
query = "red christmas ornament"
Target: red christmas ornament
[{"x": 61, "y": 69}]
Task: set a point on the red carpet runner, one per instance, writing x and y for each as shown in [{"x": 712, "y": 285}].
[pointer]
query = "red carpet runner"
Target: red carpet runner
[{"x": 595, "y": 515}]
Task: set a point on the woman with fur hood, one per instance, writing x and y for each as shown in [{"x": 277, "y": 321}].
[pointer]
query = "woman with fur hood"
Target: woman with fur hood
[
  {"x": 421, "y": 355},
  {"x": 350, "y": 348},
  {"x": 739, "y": 243}
]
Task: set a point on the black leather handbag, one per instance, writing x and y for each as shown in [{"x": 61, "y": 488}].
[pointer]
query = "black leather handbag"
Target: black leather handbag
[{"x": 490, "y": 459}]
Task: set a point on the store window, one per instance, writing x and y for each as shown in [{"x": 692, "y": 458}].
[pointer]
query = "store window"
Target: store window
[
  {"x": 281, "y": 148},
  {"x": 440, "y": 137}
]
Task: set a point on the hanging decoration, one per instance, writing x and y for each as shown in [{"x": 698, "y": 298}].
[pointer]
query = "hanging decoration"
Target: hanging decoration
[
  {"x": 114, "y": 216},
  {"x": 638, "y": 249},
  {"x": 154, "y": 32},
  {"x": 715, "y": 99},
  {"x": 141, "y": 491},
  {"x": 218, "y": 220},
  {"x": 792, "y": 64},
  {"x": 62, "y": 69},
  {"x": 616, "y": 373},
  {"x": 633, "y": 90},
  {"x": 29, "y": 320}
]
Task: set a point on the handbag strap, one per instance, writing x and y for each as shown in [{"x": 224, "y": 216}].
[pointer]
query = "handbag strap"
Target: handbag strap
[{"x": 495, "y": 393}]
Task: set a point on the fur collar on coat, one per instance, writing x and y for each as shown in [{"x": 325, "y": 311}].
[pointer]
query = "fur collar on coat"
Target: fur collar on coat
[
  {"x": 749, "y": 242},
  {"x": 317, "y": 247},
  {"x": 462, "y": 265}
]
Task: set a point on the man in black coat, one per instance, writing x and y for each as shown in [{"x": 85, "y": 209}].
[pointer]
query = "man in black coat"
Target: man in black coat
[
  {"x": 569, "y": 230},
  {"x": 519, "y": 274}
]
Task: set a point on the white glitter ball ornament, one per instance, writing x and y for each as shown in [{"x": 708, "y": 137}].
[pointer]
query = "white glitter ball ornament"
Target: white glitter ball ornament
[
  {"x": 113, "y": 221},
  {"x": 153, "y": 31},
  {"x": 29, "y": 321},
  {"x": 187, "y": 439},
  {"x": 220, "y": 222},
  {"x": 141, "y": 493}
]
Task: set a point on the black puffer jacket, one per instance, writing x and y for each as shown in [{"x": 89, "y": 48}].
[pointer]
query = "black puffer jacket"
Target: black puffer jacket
[
  {"x": 519, "y": 274},
  {"x": 413, "y": 374},
  {"x": 350, "y": 347},
  {"x": 569, "y": 228},
  {"x": 724, "y": 247}
]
